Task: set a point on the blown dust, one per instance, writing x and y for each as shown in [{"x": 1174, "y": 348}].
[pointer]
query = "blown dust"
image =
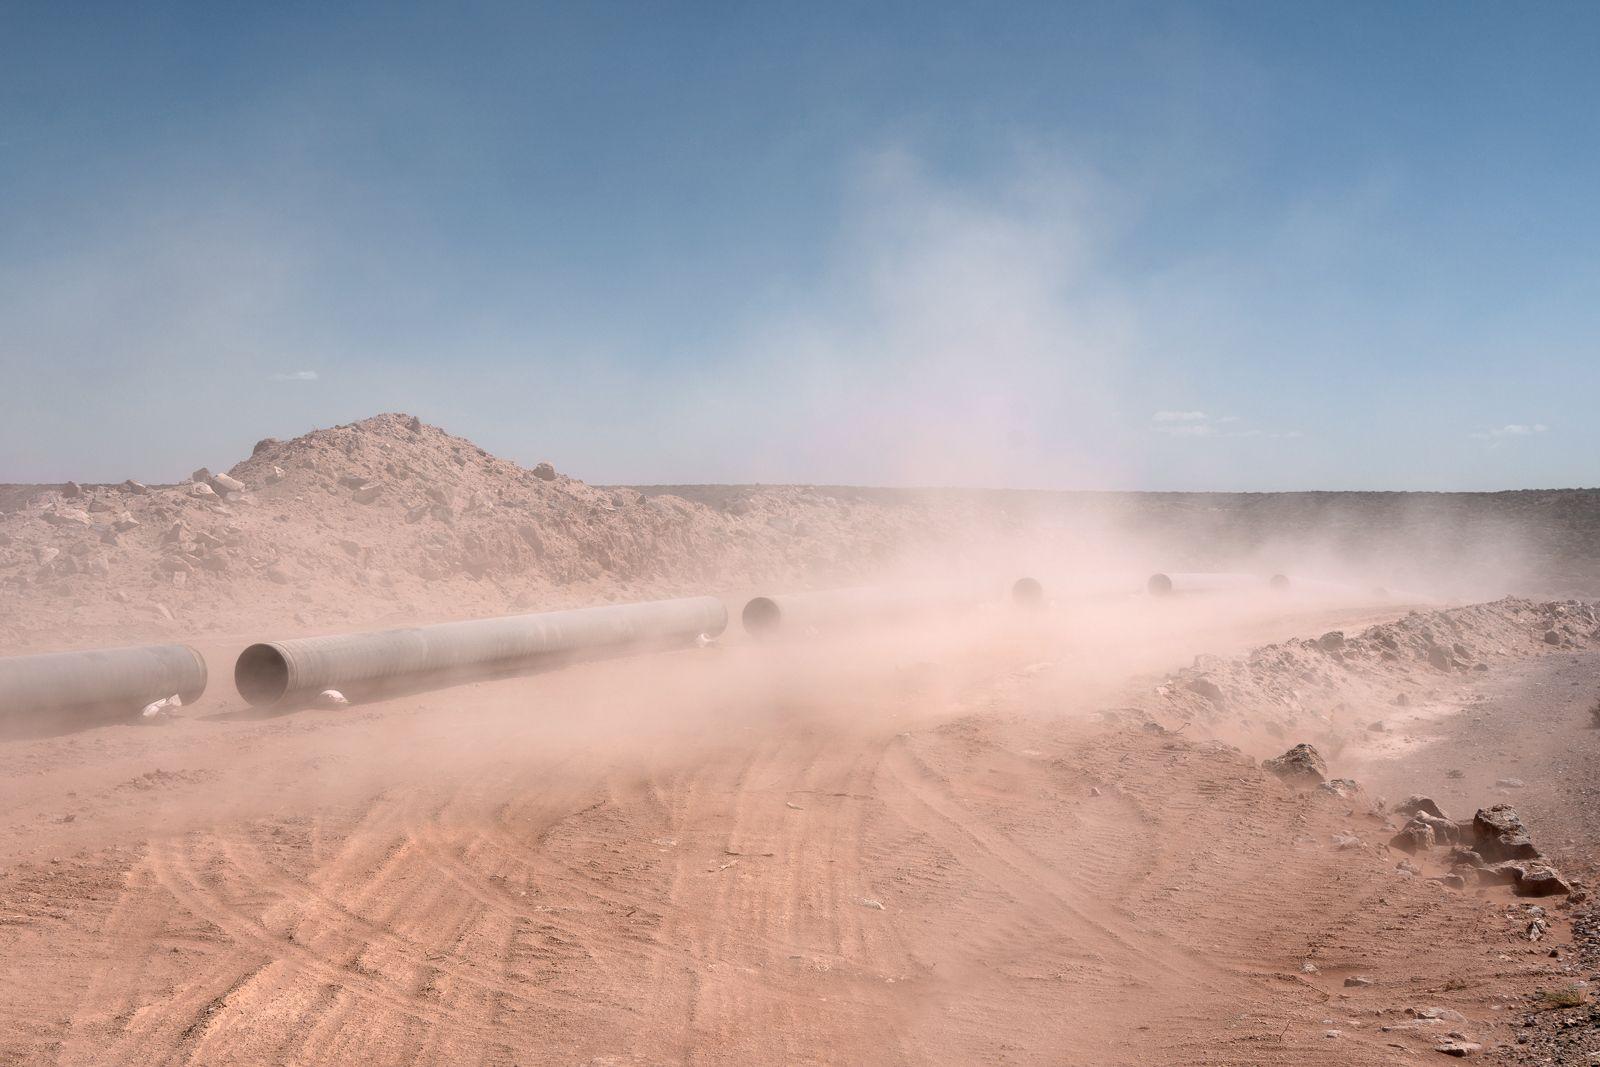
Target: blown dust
[{"x": 1006, "y": 836}]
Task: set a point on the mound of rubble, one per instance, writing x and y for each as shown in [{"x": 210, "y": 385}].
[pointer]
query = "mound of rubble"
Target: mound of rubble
[
  {"x": 1331, "y": 686},
  {"x": 389, "y": 517},
  {"x": 1492, "y": 848}
]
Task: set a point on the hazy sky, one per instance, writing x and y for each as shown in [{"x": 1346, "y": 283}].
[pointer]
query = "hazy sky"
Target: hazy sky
[{"x": 1230, "y": 246}]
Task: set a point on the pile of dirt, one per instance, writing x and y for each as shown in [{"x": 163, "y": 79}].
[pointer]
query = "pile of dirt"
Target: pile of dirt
[
  {"x": 392, "y": 518},
  {"x": 1335, "y": 687}
]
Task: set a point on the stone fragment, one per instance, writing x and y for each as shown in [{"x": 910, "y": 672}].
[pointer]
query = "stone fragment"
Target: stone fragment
[{"x": 1301, "y": 766}]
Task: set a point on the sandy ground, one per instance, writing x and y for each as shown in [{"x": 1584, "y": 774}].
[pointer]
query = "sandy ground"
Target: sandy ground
[{"x": 884, "y": 846}]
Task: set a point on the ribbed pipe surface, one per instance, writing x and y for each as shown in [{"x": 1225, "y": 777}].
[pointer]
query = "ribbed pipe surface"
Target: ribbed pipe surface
[
  {"x": 797, "y": 612},
  {"x": 1161, "y": 584},
  {"x": 274, "y": 672},
  {"x": 113, "y": 680}
]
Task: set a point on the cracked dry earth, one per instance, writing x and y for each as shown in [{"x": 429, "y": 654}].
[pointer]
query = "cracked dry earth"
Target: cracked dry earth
[{"x": 868, "y": 849}]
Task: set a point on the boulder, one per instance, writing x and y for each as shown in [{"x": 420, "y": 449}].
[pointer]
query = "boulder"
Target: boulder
[
  {"x": 1331, "y": 641},
  {"x": 1207, "y": 688},
  {"x": 1539, "y": 880},
  {"x": 224, "y": 483},
  {"x": 136, "y": 488},
  {"x": 1301, "y": 766},
  {"x": 1416, "y": 802},
  {"x": 1464, "y": 857},
  {"x": 1445, "y": 832},
  {"x": 200, "y": 477},
  {"x": 1415, "y": 836},
  {"x": 544, "y": 472},
  {"x": 1526, "y": 878},
  {"x": 1498, "y": 834}
]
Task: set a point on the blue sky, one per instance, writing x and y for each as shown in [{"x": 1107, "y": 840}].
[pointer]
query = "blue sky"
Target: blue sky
[{"x": 1156, "y": 246}]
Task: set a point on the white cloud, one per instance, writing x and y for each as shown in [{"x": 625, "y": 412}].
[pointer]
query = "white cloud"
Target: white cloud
[
  {"x": 1199, "y": 424},
  {"x": 296, "y": 376},
  {"x": 1511, "y": 429},
  {"x": 1188, "y": 429}
]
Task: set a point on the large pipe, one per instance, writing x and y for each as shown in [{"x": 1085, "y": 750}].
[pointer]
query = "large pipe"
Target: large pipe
[
  {"x": 797, "y": 612},
  {"x": 104, "y": 681},
  {"x": 1160, "y": 584},
  {"x": 274, "y": 672}
]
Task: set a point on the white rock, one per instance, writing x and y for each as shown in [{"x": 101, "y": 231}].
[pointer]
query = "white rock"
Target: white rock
[
  {"x": 163, "y": 707},
  {"x": 332, "y": 698},
  {"x": 227, "y": 483}
]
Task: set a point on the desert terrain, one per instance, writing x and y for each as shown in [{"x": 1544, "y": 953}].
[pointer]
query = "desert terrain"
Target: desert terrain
[{"x": 1077, "y": 833}]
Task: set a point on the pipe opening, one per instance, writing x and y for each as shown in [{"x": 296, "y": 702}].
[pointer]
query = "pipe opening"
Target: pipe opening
[
  {"x": 1027, "y": 593},
  {"x": 261, "y": 675},
  {"x": 1159, "y": 585},
  {"x": 761, "y": 616}
]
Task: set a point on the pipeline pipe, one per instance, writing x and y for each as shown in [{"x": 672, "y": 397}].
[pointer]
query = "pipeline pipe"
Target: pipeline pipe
[
  {"x": 108, "y": 681},
  {"x": 765, "y": 616},
  {"x": 1160, "y": 584},
  {"x": 276, "y": 672}
]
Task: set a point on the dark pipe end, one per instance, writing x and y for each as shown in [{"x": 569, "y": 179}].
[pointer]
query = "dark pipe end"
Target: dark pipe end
[
  {"x": 761, "y": 616},
  {"x": 1279, "y": 581},
  {"x": 1027, "y": 593},
  {"x": 261, "y": 675},
  {"x": 1159, "y": 585}
]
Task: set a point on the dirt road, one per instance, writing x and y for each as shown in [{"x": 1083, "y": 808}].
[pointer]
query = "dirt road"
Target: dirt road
[{"x": 875, "y": 848}]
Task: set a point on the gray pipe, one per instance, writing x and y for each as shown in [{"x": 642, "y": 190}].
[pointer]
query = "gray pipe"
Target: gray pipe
[
  {"x": 1167, "y": 584},
  {"x": 767, "y": 615},
  {"x": 274, "y": 672},
  {"x": 108, "y": 681}
]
